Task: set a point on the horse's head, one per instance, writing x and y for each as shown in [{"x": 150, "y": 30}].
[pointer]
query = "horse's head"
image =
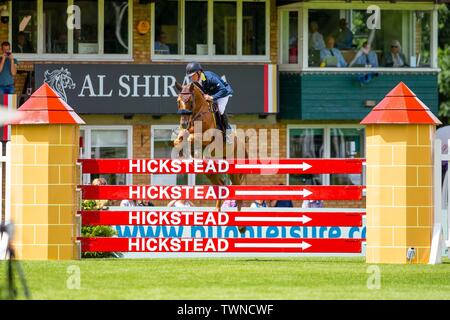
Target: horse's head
[{"x": 189, "y": 102}]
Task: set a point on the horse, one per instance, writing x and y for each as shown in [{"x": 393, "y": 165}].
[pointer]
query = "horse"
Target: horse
[{"x": 193, "y": 107}]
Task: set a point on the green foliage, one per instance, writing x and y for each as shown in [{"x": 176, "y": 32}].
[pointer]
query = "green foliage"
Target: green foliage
[
  {"x": 444, "y": 82},
  {"x": 444, "y": 61},
  {"x": 444, "y": 25},
  {"x": 97, "y": 231}
]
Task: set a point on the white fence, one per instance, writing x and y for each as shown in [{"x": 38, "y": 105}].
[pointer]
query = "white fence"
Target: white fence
[
  {"x": 441, "y": 194},
  {"x": 5, "y": 194}
]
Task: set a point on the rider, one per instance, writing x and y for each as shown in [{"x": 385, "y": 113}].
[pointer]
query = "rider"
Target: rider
[{"x": 216, "y": 90}]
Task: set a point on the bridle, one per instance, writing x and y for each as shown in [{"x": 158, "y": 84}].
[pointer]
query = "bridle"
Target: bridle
[{"x": 192, "y": 117}]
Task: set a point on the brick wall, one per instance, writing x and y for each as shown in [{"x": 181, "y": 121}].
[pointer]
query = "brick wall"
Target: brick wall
[{"x": 141, "y": 43}]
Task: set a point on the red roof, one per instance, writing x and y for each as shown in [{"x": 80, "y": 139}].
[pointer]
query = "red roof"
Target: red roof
[
  {"x": 45, "y": 106},
  {"x": 401, "y": 106}
]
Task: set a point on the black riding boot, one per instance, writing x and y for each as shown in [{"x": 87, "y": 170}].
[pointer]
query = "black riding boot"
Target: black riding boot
[{"x": 227, "y": 128}]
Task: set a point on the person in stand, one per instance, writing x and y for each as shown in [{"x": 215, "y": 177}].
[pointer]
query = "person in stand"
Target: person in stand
[
  {"x": 258, "y": 204},
  {"x": 180, "y": 204},
  {"x": 228, "y": 204},
  {"x": 344, "y": 38},
  {"x": 315, "y": 37},
  {"x": 367, "y": 57},
  {"x": 128, "y": 203},
  {"x": 312, "y": 204},
  {"x": 160, "y": 44},
  {"x": 216, "y": 90},
  {"x": 331, "y": 56},
  {"x": 8, "y": 69},
  {"x": 23, "y": 45},
  {"x": 97, "y": 204},
  {"x": 395, "y": 58},
  {"x": 281, "y": 203}
]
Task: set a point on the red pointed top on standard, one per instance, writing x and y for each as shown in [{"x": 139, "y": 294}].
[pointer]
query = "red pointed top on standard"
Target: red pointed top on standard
[
  {"x": 401, "y": 106},
  {"x": 45, "y": 106}
]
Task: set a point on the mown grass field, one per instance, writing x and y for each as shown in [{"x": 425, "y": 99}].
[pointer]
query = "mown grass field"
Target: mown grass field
[{"x": 225, "y": 278}]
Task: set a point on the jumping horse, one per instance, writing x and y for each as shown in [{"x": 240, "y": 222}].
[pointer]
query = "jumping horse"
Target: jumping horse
[{"x": 193, "y": 107}]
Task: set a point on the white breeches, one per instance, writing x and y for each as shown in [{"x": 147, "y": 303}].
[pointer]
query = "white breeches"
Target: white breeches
[{"x": 222, "y": 104}]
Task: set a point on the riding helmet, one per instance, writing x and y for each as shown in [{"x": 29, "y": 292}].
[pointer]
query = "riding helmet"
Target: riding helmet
[{"x": 193, "y": 67}]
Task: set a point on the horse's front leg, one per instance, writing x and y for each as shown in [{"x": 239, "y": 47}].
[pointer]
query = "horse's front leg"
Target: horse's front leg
[{"x": 241, "y": 229}]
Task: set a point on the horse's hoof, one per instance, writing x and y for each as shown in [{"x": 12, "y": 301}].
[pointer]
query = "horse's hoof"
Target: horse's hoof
[{"x": 242, "y": 229}]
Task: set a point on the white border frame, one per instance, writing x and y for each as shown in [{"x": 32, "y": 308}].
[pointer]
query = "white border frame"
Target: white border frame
[
  {"x": 239, "y": 57},
  {"x": 302, "y": 9},
  {"x": 87, "y": 145},
  {"x": 40, "y": 56},
  {"x": 326, "y": 143}
]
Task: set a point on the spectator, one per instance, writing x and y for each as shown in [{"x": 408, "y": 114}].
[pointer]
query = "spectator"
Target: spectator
[
  {"x": 330, "y": 56},
  {"x": 227, "y": 204},
  {"x": 395, "y": 58},
  {"x": 160, "y": 44},
  {"x": 100, "y": 204},
  {"x": 143, "y": 203},
  {"x": 180, "y": 204},
  {"x": 344, "y": 38},
  {"x": 366, "y": 56},
  {"x": 281, "y": 203},
  {"x": 315, "y": 38},
  {"x": 128, "y": 203},
  {"x": 8, "y": 69},
  {"x": 312, "y": 204},
  {"x": 23, "y": 45},
  {"x": 293, "y": 50},
  {"x": 258, "y": 204}
]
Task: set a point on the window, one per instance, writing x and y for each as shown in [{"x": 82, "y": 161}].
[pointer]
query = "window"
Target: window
[
  {"x": 107, "y": 142},
  {"x": 225, "y": 32},
  {"x": 253, "y": 28},
  {"x": 85, "y": 39},
  {"x": 326, "y": 142},
  {"x": 55, "y": 38},
  {"x": 290, "y": 37},
  {"x": 40, "y": 27},
  {"x": 211, "y": 29},
  {"x": 341, "y": 38},
  {"x": 24, "y": 26}
]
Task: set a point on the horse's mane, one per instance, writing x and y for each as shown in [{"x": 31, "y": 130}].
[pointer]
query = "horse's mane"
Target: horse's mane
[{"x": 199, "y": 87}]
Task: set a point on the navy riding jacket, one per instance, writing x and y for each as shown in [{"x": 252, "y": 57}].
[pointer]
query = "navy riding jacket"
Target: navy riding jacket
[{"x": 216, "y": 86}]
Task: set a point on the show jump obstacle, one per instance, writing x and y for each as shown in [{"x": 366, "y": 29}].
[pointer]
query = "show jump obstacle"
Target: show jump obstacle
[
  {"x": 246, "y": 192},
  {"x": 399, "y": 142}
]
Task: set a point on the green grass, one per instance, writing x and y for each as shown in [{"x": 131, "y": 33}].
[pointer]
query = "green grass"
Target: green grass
[{"x": 225, "y": 278}]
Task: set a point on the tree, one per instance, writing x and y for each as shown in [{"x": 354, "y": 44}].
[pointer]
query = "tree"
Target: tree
[{"x": 444, "y": 62}]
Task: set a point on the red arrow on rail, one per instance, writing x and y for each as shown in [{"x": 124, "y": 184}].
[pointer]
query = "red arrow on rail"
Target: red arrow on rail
[
  {"x": 214, "y": 218},
  {"x": 242, "y": 166},
  {"x": 299, "y": 245},
  {"x": 205, "y": 192}
]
